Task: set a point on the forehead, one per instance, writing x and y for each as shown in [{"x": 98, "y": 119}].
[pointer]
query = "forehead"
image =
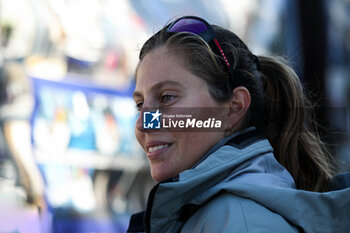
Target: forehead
[
  {"x": 159, "y": 60},
  {"x": 161, "y": 65}
]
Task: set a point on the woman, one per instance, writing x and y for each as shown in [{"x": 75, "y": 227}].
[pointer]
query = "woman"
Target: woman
[{"x": 264, "y": 172}]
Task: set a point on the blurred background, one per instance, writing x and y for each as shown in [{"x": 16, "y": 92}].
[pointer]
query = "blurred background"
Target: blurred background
[{"x": 69, "y": 160}]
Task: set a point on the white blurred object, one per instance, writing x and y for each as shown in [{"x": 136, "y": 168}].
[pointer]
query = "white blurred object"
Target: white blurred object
[
  {"x": 82, "y": 193},
  {"x": 239, "y": 14},
  {"x": 57, "y": 177},
  {"x": 47, "y": 68},
  {"x": 84, "y": 38},
  {"x": 18, "y": 14}
]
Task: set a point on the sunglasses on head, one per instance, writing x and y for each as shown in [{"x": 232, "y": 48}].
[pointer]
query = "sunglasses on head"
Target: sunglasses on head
[{"x": 203, "y": 29}]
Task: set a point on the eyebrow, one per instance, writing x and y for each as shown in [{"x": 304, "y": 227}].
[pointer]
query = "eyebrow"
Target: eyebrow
[{"x": 159, "y": 86}]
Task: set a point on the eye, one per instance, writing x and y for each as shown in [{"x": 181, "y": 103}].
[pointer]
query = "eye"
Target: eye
[
  {"x": 166, "y": 98},
  {"x": 139, "y": 106}
]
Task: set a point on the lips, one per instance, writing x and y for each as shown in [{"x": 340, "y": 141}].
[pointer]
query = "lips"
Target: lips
[{"x": 155, "y": 149}]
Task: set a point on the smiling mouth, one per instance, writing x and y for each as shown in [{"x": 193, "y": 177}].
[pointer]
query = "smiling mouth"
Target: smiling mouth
[
  {"x": 156, "y": 148},
  {"x": 153, "y": 152}
]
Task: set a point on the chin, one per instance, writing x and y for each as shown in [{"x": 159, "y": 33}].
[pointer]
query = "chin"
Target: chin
[{"x": 159, "y": 176}]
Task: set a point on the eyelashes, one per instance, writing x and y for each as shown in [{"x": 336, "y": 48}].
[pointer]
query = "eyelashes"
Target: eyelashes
[
  {"x": 139, "y": 106},
  {"x": 165, "y": 99}
]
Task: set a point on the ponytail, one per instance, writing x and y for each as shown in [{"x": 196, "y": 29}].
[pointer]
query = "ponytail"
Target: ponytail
[
  {"x": 287, "y": 122},
  {"x": 277, "y": 103}
]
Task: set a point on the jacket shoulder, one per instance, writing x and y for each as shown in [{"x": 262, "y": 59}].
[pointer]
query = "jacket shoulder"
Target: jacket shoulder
[{"x": 229, "y": 213}]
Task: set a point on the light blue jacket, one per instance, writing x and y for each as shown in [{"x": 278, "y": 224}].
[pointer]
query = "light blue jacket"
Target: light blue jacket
[{"x": 241, "y": 188}]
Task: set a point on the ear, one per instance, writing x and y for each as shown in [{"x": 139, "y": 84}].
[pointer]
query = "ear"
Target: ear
[{"x": 238, "y": 107}]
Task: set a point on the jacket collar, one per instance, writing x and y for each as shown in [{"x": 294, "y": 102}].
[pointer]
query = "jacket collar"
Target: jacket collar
[{"x": 193, "y": 187}]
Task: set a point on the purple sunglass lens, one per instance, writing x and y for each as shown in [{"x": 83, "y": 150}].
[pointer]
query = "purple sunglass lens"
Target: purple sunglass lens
[{"x": 188, "y": 25}]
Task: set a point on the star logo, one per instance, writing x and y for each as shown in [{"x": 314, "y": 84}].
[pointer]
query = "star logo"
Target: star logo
[
  {"x": 156, "y": 115},
  {"x": 151, "y": 120}
]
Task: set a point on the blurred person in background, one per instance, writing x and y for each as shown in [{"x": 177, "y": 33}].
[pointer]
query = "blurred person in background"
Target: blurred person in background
[
  {"x": 267, "y": 170},
  {"x": 21, "y": 187}
]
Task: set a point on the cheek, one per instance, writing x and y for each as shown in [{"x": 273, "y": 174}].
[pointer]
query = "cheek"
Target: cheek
[
  {"x": 193, "y": 146},
  {"x": 139, "y": 135}
]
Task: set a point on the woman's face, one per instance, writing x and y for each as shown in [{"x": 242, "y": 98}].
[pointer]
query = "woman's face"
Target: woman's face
[{"x": 162, "y": 81}]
